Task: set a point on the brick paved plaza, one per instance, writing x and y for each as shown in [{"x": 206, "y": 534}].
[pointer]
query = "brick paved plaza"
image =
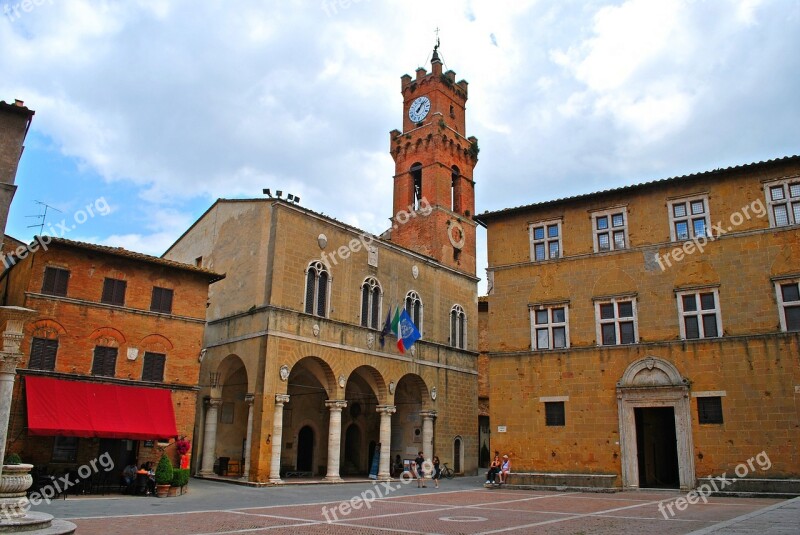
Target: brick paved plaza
[{"x": 461, "y": 506}]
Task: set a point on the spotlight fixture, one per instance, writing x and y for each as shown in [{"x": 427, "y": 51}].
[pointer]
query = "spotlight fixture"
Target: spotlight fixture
[
  {"x": 290, "y": 198},
  {"x": 297, "y": 199},
  {"x": 266, "y": 191},
  {"x": 279, "y": 193}
]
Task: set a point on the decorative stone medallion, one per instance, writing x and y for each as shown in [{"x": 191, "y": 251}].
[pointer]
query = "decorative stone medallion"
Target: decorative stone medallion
[
  {"x": 342, "y": 381},
  {"x": 391, "y": 387},
  {"x": 370, "y": 340},
  {"x": 414, "y": 271},
  {"x": 433, "y": 393},
  {"x": 284, "y": 372},
  {"x": 322, "y": 240},
  {"x": 315, "y": 329}
]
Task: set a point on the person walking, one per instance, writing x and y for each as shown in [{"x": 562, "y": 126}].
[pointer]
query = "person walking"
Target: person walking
[
  {"x": 419, "y": 461},
  {"x": 437, "y": 471}
]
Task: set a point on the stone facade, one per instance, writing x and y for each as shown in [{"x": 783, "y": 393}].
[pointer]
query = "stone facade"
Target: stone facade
[
  {"x": 15, "y": 119},
  {"x": 260, "y": 341},
  {"x": 78, "y": 321},
  {"x": 737, "y": 351}
]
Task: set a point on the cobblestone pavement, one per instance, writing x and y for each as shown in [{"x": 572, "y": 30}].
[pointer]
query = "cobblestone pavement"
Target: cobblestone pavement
[{"x": 461, "y": 506}]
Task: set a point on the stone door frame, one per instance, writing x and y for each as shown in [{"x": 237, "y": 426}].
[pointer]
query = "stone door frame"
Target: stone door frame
[{"x": 654, "y": 382}]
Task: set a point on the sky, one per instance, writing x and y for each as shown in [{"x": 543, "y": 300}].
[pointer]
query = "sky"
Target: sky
[{"x": 148, "y": 111}]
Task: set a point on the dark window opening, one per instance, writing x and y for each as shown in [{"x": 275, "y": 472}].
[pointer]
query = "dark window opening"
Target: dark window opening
[
  {"x": 114, "y": 291},
  {"x": 554, "y": 415},
  {"x": 162, "y": 300},
  {"x": 153, "y": 367},
  {"x": 55, "y": 281},
  {"x": 709, "y": 410},
  {"x": 65, "y": 449},
  {"x": 105, "y": 361},
  {"x": 455, "y": 189},
  {"x": 43, "y": 354},
  {"x": 416, "y": 177}
]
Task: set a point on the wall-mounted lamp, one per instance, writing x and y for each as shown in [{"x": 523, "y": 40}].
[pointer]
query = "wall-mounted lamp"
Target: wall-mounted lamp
[
  {"x": 279, "y": 193},
  {"x": 266, "y": 191}
]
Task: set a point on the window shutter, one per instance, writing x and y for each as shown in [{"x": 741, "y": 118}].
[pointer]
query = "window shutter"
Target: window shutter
[
  {"x": 311, "y": 280},
  {"x": 322, "y": 296}
]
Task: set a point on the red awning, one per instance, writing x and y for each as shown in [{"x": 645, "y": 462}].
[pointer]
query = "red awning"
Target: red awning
[{"x": 84, "y": 409}]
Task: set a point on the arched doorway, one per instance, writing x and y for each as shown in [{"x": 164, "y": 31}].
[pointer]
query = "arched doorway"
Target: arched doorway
[
  {"x": 231, "y": 440},
  {"x": 655, "y": 426},
  {"x": 305, "y": 450},
  {"x": 309, "y": 382},
  {"x": 410, "y": 396},
  {"x": 353, "y": 464}
]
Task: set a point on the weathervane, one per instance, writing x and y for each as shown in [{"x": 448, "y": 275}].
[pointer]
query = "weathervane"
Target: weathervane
[{"x": 436, "y": 31}]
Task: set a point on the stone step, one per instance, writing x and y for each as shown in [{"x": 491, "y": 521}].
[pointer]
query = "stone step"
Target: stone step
[{"x": 37, "y": 524}]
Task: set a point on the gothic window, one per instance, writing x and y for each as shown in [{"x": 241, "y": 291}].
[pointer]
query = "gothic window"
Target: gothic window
[
  {"x": 416, "y": 177},
  {"x": 371, "y": 303},
  {"x": 317, "y": 282},
  {"x": 458, "y": 327},
  {"x": 414, "y": 308}
]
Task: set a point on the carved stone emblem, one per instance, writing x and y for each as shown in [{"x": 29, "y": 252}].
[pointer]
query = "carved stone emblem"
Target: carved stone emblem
[
  {"x": 315, "y": 329},
  {"x": 433, "y": 393},
  {"x": 391, "y": 387},
  {"x": 370, "y": 340},
  {"x": 322, "y": 240},
  {"x": 415, "y": 271},
  {"x": 284, "y": 372},
  {"x": 342, "y": 381}
]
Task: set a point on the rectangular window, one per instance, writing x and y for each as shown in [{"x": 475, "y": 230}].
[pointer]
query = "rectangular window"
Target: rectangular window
[
  {"x": 545, "y": 238},
  {"x": 709, "y": 410},
  {"x": 783, "y": 199},
  {"x": 153, "y": 367},
  {"x": 616, "y": 321},
  {"x": 699, "y": 314},
  {"x": 43, "y": 354},
  {"x": 65, "y": 449},
  {"x": 689, "y": 218},
  {"x": 55, "y": 281},
  {"x": 113, "y": 291},
  {"x": 105, "y": 361},
  {"x": 161, "y": 300},
  {"x": 554, "y": 414},
  {"x": 788, "y": 293},
  {"x": 610, "y": 230},
  {"x": 549, "y": 327}
]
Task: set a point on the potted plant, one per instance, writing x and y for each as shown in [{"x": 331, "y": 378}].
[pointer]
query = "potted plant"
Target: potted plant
[
  {"x": 180, "y": 479},
  {"x": 14, "y": 482},
  {"x": 163, "y": 476},
  {"x": 183, "y": 446}
]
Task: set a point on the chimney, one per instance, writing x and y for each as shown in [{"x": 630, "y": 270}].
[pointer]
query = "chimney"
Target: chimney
[{"x": 18, "y": 102}]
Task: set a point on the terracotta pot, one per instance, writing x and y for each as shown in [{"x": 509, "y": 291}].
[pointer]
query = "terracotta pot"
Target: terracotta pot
[
  {"x": 173, "y": 491},
  {"x": 162, "y": 490}
]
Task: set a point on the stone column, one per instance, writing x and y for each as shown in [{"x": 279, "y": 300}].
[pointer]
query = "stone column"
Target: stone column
[
  {"x": 9, "y": 358},
  {"x": 385, "y": 466},
  {"x": 334, "y": 439},
  {"x": 427, "y": 433},
  {"x": 248, "y": 398},
  {"x": 210, "y": 436},
  {"x": 277, "y": 438}
]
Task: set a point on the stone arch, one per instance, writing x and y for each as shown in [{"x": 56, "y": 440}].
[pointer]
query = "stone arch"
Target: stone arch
[
  {"x": 319, "y": 370},
  {"x": 156, "y": 343},
  {"x": 108, "y": 337},
  {"x": 374, "y": 379},
  {"x": 651, "y": 371},
  {"x": 46, "y": 328}
]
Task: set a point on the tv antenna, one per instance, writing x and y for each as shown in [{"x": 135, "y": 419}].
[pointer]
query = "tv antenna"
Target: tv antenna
[{"x": 43, "y": 216}]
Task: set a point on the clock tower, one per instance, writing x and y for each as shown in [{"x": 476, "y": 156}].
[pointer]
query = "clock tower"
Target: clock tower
[{"x": 434, "y": 194}]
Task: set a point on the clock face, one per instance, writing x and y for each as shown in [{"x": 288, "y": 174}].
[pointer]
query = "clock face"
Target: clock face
[{"x": 419, "y": 109}]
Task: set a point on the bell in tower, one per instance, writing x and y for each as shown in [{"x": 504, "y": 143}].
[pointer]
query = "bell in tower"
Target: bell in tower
[{"x": 434, "y": 163}]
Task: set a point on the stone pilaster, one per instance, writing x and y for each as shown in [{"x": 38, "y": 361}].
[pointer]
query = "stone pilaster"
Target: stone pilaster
[
  {"x": 384, "y": 466},
  {"x": 427, "y": 433},
  {"x": 248, "y": 398},
  {"x": 277, "y": 439},
  {"x": 210, "y": 436},
  {"x": 334, "y": 438}
]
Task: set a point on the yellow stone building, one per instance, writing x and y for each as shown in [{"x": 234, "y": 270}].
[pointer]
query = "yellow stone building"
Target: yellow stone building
[
  {"x": 647, "y": 336},
  {"x": 295, "y": 377}
]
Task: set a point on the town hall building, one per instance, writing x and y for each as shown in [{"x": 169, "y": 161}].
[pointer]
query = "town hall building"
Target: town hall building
[{"x": 297, "y": 373}]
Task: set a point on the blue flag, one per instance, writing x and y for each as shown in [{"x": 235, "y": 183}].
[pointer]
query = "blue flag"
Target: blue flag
[
  {"x": 407, "y": 332},
  {"x": 387, "y": 327}
]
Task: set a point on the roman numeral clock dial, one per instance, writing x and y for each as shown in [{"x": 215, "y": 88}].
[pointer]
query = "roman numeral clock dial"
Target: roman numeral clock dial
[{"x": 419, "y": 109}]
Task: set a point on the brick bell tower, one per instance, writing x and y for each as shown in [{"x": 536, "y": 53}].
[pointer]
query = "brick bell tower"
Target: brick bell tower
[{"x": 434, "y": 162}]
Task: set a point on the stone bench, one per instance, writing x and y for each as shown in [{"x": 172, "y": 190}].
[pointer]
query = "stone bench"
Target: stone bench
[{"x": 550, "y": 481}]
